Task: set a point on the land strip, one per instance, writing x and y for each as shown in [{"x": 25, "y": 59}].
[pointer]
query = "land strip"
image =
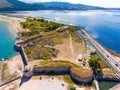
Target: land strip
[{"x": 109, "y": 58}]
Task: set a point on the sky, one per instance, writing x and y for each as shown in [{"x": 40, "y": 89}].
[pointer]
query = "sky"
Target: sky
[{"x": 102, "y": 3}]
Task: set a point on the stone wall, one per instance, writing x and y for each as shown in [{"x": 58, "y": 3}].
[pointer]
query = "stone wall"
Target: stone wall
[
  {"x": 63, "y": 70},
  {"x": 49, "y": 70},
  {"x": 81, "y": 80},
  {"x": 102, "y": 78}
]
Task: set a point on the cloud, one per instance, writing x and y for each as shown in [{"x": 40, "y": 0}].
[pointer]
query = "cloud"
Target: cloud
[{"x": 102, "y": 3}]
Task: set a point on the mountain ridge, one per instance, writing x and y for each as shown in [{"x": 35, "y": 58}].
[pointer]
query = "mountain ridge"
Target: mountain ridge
[
  {"x": 5, "y": 3},
  {"x": 16, "y": 5}
]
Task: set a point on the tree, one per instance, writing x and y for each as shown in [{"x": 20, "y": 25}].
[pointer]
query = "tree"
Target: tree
[
  {"x": 72, "y": 88},
  {"x": 94, "y": 63}
]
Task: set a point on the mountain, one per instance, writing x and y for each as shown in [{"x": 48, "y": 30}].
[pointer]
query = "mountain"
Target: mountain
[
  {"x": 4, "y": 3},
  {"x": 68, "y": 6},
  {"x": 15, "y": 5}
]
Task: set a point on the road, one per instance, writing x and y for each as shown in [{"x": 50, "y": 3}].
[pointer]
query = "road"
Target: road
[{"x": 110, "y": 59}]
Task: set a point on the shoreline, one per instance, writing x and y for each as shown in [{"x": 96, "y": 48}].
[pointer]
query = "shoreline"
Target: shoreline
[
  {"x": 13, "y": 26},
  {"x": 16, "y": 26},
  {"x": 11, "y": 21},
  {"x": 112, "y": 52}
]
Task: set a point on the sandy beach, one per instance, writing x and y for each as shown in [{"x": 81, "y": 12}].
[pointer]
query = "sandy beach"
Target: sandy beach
[
  {"x": 12, "y": 68},
  {"x": 13, "y": 22},
  {"x": 14, "y": 27},
  {"x": 14, "y": 64}
]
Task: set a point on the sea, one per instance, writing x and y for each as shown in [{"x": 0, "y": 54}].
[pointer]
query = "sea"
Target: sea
[
  {"x": 7, "y": 41},
  {"x": 103, "y": 25}
]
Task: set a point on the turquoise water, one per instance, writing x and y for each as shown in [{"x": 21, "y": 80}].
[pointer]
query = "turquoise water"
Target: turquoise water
[
  {"x": 102, "y": 25},
  {"x": 7, "y": 40}
]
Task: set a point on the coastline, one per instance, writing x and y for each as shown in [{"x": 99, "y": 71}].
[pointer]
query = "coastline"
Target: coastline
[
  {"x": 14, "y": 62},
  {"x": 11, "y": 21},
  {"x": 14, "y": 24},
  {"x": 114, "y": 54}
]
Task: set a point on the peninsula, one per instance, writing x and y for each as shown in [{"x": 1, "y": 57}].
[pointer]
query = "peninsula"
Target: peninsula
[{"x": 52, "y": 52}]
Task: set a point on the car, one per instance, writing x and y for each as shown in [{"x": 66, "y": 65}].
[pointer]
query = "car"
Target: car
[{"x": 116, "y": 65}]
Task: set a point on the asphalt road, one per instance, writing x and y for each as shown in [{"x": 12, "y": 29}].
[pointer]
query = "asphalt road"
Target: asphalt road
[{"x": 110, "y": 59}]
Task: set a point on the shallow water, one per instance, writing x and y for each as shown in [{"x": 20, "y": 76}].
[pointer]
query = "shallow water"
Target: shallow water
[
  {"x": 7, "y": 40},
  {"x": 102, "y": 25}
]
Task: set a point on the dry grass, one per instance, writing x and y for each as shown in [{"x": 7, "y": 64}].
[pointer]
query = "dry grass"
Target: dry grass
[
  {"x": 75, "y": 69},
  {"x": 54, "y": 64},
  {"x": 11, "y": 67},
  {"x": 4, "y": 68},
  {"x": 82, "y": 72},
  {"x": 108, "y": 73},
  {"x": 65, "y": 52}
]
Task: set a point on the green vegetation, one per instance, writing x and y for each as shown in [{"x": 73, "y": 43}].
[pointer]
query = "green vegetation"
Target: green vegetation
[
  {"x": 28, "y": 51},
  {"x": 57, "y": 40},
  {"x": 56, "y": 64},
  {"x": 95, "y": 65},
  {"x": 68, "y": 79},
  {"x": 72, "y": 88},
  {"x": 4, "y": 68},
  {"x": 41, "y": 36},
  {"x": 74, "y": 68},
  {"x": 73, "y": 32},
  {"x": 36, "y": 26},
  {"x": 95, "y": 58},
  {"x": 98, "y": 65},
  {"x": 40, "y": 52}
]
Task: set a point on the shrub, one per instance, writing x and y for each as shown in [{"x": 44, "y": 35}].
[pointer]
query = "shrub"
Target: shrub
[{"x": 72, "y": 88}]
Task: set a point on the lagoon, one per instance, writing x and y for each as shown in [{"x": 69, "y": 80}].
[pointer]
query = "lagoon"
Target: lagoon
[
  {"x": 103, "y": 25},
  {"x": 7, "y": 40}
]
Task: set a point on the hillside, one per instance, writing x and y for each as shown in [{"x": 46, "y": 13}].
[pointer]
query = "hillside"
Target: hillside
[
  {"x": 69, "y": 6},
  {"x": 4, "y": 3},
  {"x": 13, "y": 5}
]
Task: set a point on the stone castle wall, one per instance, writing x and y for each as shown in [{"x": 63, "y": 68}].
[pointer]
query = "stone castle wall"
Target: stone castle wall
[{"x": 64, "y": 70}]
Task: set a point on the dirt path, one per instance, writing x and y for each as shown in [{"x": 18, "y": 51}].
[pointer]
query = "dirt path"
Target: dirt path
[{"x": 71, "y": 45}]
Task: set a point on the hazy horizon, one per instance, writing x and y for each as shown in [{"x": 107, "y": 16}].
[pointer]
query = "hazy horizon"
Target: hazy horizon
[{"x": 100, "y": 3}]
